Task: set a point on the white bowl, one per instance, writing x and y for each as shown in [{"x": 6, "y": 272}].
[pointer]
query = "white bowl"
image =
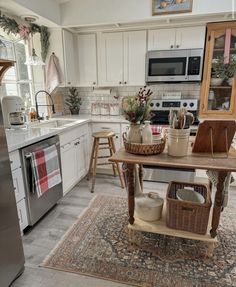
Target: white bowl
[{"x": 189, "y": 195}]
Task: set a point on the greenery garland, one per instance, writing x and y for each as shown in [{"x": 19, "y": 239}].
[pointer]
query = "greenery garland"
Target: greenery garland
[{"x": 11, "y": 26}]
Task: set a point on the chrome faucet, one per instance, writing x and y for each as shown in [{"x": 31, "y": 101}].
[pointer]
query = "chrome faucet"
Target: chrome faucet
[{"x": 37, "y": 105}]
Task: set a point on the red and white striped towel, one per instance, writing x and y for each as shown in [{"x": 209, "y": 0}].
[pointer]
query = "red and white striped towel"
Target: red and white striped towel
[{"x": 45, "y": 169}]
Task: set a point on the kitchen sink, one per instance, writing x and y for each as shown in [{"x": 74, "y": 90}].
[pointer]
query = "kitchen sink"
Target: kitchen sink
[{"x": 54, "y": 123}]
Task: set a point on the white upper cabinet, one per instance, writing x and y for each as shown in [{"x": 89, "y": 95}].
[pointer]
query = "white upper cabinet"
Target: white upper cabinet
[
  {"x": 122, "y": 60},
  {"x": 87, "y": 59},
  {"x": 177, "y": 38},
  {"x": 69, "y": 47},
  {"x": 111, "y": 50},
  {"x": 135, "y": 47},
  {"x": 161, "y": 39},
  {"x": 190, "y": 37}
]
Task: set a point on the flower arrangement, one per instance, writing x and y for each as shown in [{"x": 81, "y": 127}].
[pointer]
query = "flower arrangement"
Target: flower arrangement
[
  {"x": 73, "y": 101},
  {"x": 136, "y": 109}
]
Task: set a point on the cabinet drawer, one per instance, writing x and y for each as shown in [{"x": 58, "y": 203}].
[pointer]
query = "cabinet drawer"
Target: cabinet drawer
[
  {"x": 18, "y": 184},
  {"x": 97, "y": 127},
  {"x": 15, "y": 159},
  {"x": 22, "y": 214},
  {"x": 68, "y": 136}
]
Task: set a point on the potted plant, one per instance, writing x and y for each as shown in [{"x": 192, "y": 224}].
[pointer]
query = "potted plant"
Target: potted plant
[
  {"x": 73, "y": 101},
  {"x": 223, "y": 72},
  {"x": 136, "y": 110}
]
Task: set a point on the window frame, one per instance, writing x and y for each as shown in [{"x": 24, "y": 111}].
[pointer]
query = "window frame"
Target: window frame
[{"x": 17, "y": 81}]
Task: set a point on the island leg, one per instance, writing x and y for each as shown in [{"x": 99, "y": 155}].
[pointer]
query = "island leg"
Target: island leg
[
  {"x": 130, "y": 175},
  {"x": 219, "y": 197},
  {"x": 141, "y": 176}
]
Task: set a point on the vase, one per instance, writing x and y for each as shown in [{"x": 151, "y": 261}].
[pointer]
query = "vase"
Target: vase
[
  {"x": 134, "y": 134},
  {"x": 216, "y": 81},
  {"x": 230, "y": 81},
  {"x": 178, "y": 141},
  {"x": 147, "y": 133},
  {"x": 74, "y": 111}
]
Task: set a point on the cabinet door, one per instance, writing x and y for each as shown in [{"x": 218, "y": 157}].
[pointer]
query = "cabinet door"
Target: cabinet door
[
  {"x": 111, "y": 49},
  {"x": 81, "y": 157},
  {"x": 87, "y": 60},
  {"x": 69, "y": 166},
  {"x": 190, "y": 37},
  {"x": 161, "y": 39},
  {"x": 18, "y": 184},
  {"x": 22, "y": 214},
  {"x": 134, "y": 58},
  {"x": 218, "y": 94},
  {"x": 70, "y": 58}
]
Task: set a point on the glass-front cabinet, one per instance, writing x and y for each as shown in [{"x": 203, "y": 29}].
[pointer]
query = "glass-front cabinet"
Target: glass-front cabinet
[{"x": 218, "y": 93}]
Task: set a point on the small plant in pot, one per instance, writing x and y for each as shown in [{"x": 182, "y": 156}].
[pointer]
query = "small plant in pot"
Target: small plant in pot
[
  {"x": 73, "y": 101},
  {"x": 223, "y": 73}
]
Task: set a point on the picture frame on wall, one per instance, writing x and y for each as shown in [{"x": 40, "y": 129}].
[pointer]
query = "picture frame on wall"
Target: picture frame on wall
[{"x": 162, "y": 7}]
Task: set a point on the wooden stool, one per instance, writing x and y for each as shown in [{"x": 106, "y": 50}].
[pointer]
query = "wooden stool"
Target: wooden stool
[{"x": 97, "y": 145}]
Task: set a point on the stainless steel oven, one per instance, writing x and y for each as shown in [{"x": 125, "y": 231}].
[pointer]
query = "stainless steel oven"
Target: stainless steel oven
[
  {"x": 37, "y": 207},
  {"x": 174, "y": 65},
  {"x": 160, "y": 111}
]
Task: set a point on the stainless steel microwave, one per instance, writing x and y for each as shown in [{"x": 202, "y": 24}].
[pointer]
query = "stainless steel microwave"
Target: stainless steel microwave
[{"x": 174, "y": 66}]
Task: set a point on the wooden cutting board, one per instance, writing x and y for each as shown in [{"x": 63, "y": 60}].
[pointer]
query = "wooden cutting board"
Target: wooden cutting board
[{"x": 214, "y": 133}]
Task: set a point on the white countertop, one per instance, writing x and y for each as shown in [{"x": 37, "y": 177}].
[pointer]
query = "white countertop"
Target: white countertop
[{"x": 18, "y": 138}]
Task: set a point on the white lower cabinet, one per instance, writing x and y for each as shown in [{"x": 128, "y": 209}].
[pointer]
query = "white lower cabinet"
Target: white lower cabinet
[
  {"x": 68, "y": 164},
  {"x": 22, "y": 214},
  {"x": 114, "y": 127},
  {"x": 74, "y": 156},
  {"x": 19, "y": 189}
]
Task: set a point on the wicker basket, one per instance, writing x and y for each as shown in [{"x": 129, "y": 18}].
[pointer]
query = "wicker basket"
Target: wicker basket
[
  {"x": 144, "y": 149},
  {"x": 186, "y": 215}
]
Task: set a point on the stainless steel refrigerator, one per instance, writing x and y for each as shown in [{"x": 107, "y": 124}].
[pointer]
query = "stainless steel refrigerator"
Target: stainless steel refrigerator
[{"x": 11, "y": 249}]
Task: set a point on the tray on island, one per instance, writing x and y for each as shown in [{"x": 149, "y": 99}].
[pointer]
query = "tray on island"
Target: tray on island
[{"x": 143, "y": 148}]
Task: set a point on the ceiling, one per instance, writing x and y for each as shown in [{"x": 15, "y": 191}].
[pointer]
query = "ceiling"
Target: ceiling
[{"x": 11, "y": 8}]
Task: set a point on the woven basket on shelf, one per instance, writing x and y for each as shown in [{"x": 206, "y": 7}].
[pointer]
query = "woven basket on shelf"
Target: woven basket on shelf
[
  {"x": 144, "y": 149},
  {"x": 187, "y": 215}
]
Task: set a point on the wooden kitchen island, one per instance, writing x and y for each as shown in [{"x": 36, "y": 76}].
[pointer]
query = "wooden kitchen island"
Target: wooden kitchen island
[{"x": 219, "y": 163}]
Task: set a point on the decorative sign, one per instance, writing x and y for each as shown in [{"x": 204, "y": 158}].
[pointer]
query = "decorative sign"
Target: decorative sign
[{"x": 160, "y": 7}]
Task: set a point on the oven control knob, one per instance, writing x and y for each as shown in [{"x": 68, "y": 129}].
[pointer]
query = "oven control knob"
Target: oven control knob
[
  {"x": 157, "y": 104},
  {"x": 151, "y": 105},
  {"x": 185, "y": 104},
  {"x": 191, "y": 105}
]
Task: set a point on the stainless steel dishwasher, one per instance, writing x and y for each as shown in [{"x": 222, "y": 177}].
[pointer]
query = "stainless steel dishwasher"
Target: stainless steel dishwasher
[{"x": 37, "y": 207}]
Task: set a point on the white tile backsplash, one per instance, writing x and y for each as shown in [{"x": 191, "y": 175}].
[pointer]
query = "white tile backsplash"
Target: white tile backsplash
[{"x": 188, "y": 91}]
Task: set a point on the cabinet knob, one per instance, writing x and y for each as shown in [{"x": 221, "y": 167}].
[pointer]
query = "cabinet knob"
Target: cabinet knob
[
  {"x": 125, "y": 83},
  {"x": 177, "y": 46},
  {"x": 120, "y": 82},
  {"x": 117, "y": 137},
  {"x": 68, "y": 83},
  {"x": 171, "y": 46},
  {"x": 94, "y": 83},
  {"x": 11, "y": 162}
]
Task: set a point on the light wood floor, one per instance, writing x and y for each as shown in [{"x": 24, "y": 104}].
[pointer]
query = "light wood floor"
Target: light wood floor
[{"x": 41, "y": 239}]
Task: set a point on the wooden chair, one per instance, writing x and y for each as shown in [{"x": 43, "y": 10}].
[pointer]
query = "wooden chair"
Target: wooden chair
[{"x": 109, "y": 145}]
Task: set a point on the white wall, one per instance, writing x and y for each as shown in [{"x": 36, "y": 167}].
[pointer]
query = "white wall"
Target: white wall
[
  {"x": 48, "y": 9},
  {"x": 90, "y": 12}
]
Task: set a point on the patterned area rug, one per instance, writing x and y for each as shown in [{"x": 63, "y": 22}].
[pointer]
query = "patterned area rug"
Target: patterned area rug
[{"x": 98, "y": 245}]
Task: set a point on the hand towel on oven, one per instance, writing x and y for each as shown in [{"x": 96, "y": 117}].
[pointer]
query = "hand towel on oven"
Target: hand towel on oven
[{"x": 45, "y": 169}]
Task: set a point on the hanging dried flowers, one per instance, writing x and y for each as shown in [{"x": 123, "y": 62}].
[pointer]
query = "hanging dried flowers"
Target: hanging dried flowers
[{"x": 11, "y": 26}]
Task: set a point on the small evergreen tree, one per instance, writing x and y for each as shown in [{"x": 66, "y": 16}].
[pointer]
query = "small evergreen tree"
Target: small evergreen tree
[{"x": 73, "y": 101}]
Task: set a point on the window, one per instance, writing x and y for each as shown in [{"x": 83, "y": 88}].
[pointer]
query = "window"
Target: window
[{"x": 18, "y": 79}]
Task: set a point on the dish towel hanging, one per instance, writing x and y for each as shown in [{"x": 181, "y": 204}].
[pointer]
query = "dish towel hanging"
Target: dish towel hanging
[
  {"x": 45, "y": 169},
  {"x": 53, "y": 73},
  {"x": 213, "y": 176}
]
